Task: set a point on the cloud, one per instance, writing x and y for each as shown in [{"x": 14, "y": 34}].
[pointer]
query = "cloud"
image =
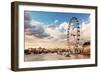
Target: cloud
[
  {"x": 53, "y": 33},
  {"x": 27, "y": 19},
  {"x": 56, "y": 34},
  {"x": 51, "y": 26},
  {"x": 86, "y": 31},
  {"x": 56, "y": 21},
  {"x": 33, "y": 27},
  {"x": 37, "y": 29},
  {"x": 63, "y": 25},
  {"x": 34, "y": 22}
]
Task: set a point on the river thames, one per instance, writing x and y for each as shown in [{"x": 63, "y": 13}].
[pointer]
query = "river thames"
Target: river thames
[{"x": 52, "y": 56}]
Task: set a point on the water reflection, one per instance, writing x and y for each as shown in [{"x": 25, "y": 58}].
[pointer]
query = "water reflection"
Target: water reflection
[{"x": 52, "y": 56}]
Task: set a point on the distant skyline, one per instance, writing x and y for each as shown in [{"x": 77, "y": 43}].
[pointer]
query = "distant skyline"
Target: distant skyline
[{"x": 49, "y": 29}]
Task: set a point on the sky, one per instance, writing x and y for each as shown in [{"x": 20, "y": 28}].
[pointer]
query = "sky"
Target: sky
[
  {"x": 57, "y": 17},
  {"x": 49, "y": 29}
]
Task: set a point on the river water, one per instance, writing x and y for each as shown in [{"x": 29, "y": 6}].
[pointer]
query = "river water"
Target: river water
[{"x": 52, "y": 56}]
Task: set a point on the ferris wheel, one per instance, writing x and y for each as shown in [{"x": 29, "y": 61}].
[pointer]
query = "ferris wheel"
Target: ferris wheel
[{"x": 73, "y": 32}]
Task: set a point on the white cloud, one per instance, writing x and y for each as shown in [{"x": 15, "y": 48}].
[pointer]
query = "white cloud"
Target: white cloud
[
  {"x": 63, "y": 25},
  {"x": 37, "y": 29},
  {"x": 47, "y": 35},
  {"x": 56, "y": 21},
  {"x": 34, "y": 22},
  {"x": 53, "y": 32},
  {"x": 86, "y": 31},
  {"x": 84, "y": 34}
]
